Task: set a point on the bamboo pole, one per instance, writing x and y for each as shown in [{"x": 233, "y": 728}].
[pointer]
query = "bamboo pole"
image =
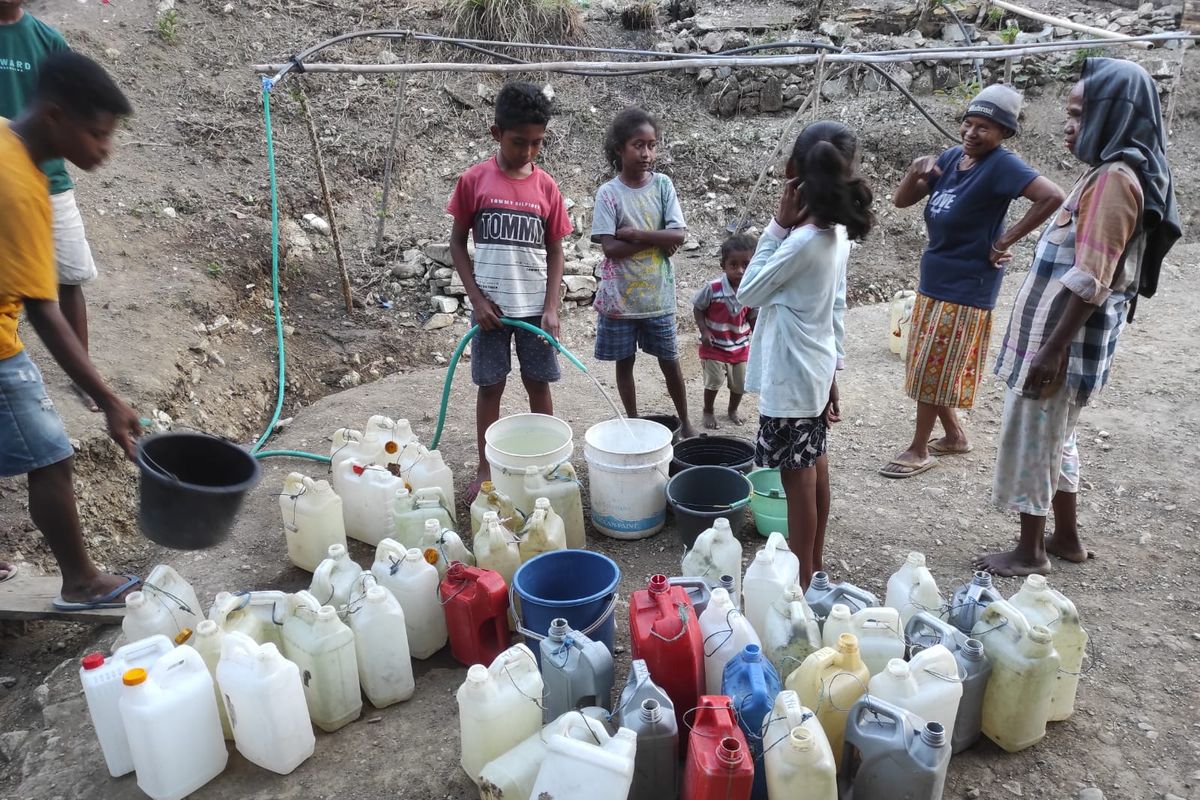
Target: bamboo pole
[
  {"x": 347, "y": 294},
  {"x": 387, "y": 168},
  {"x": 1066, "y": 23},
  {"x": 619, "y": 67}
]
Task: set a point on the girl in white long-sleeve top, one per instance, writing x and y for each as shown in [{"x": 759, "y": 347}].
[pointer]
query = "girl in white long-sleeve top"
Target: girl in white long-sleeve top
[{"x": 797, "y": 280}]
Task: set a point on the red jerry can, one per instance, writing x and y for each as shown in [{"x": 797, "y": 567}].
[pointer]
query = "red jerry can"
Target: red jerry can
[
  {"x": 665, "y": 633},
  {"x": 475, "y": 601},
  {"x": 719, "y": 765}
]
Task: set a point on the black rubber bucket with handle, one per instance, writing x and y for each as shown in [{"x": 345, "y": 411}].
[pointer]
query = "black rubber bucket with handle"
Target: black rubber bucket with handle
[
  {"x": 699, "y": 495},
  {"x": 712, "y": 450},
  {"x": 191, "y": 488}
]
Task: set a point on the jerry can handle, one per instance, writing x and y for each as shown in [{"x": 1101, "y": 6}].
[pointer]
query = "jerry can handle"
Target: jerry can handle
[{"x": 588, "y": 631}]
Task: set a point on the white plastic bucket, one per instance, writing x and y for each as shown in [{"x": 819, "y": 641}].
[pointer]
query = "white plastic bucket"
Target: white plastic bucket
[
  {"x": 515, "y": 443},
  {"x": 628, "y": 476}
]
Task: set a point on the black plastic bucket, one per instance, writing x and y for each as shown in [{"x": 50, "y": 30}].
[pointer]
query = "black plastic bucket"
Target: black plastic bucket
[
  {"x": 699, "y": 495},
  {"x": 668, "y": 421},
  {"x": 713, "y": 451},
  {"x": 191, "y": 488}
]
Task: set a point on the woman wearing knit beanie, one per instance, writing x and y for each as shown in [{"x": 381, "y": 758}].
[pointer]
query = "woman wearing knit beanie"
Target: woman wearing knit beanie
[{"x": 969, "y": 187}]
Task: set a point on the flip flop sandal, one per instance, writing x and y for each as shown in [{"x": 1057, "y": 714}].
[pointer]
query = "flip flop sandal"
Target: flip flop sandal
[
  {"x": 12, "y": 572},
  {"x": 938, "y": 450},
  {"x": 893, "y": 469},
  {"x": 104, "y": 601}
]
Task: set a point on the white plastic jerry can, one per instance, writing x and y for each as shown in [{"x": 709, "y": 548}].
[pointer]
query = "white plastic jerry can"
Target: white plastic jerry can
[
  {"x": 543, "y": 531},
  {"x": 264, "y": 699},
  {"x": 510, "y": 776},
  {"x": 442, "y": 547},
  {"x": 101, "y": 681},
  {"x": 334, "y": 578},
  {"x": 148, "y": 613},
  {"x": 170, "y": 718},
  {"x": 389, "y": 437},
  {"x": 414, "y": 583},
  {"x": 312, "y": 519},
  {"x": 1042, "y": 605},
  {"x": 878, "y": 631},
  {"x": 725, "y": 633},
  {"x": 350, "y": 445},
  {"x": 380, "y": 644},
  {"x": 561, "y": 487},
  {"x": 1016, "y": 704},
  {"x": 796, "y": 753},
  {"x": 716, "y": 552},
  {"x": 583, "y": 765},
  {"x": 207, "y": 642},
  {"x": 429, "y": 471},
  {"x": 321, "y": 645},
  {"x": 912, "y": 588},
  {"x": 259, "y": 615},
  {"x": 497, "y": 549},
  {"x": 791, "y": 631},
  {"x": 772, "y": 571},
  {"x": 498, "y": 707},
  {"x": 928, "y": 686},
  {"x": 413, "y": 510},
  {"x": 370, "y": 496}
]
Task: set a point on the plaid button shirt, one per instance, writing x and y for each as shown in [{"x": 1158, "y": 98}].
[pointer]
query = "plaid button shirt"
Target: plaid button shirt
[{"x": 1056, "y": 266}]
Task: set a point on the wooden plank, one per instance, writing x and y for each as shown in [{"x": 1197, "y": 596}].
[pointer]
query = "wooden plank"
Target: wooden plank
[{"x": 32, "y": 597}]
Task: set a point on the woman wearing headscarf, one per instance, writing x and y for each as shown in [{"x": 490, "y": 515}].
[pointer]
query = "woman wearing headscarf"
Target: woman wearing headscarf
[
  {"x": 1106, "y": 243},
  {"x": 970, "y": 187}
]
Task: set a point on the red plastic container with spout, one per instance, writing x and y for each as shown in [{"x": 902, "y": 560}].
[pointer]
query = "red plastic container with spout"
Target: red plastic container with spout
[
  {"x": 719, "y": 764},
  {"x": 665, "y": 633},
  {"x": 475, "y": 602}
]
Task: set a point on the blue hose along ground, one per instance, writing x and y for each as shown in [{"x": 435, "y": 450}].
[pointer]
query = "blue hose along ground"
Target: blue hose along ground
[{"x": 281, "y": 377}]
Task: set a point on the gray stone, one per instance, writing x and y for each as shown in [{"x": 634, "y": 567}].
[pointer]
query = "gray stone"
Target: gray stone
[
  {"x": 455, "y": 288},
  {"x": 713, "y": 42},
  {"x": 438, "y": 321},
  {"x": 407, "y": 270},
  {"x": 736, "y": 39},
  {"x": 440, "y": 253},
  {"x": 725, "y": 102},
  {"x": 835, "y": 88},
  {"x": 1091, "y": 793},
  {"x": 835, "y": 30},
  {"x": 11, "y": 743},
  {"x": 445, "y": 305},
  {"x": 705, "y": 76},
  {"x": 770, "y": 97},
  {"x": 443, "y": 274},
  {"x": 299, "y": 246},
  {"x": 350, "y": 380},
  {"x": 580, "y": 287},
  {"x": 577, "y": 267}
]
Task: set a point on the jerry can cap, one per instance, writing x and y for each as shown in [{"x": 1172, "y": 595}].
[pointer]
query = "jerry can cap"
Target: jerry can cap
[
  {"x": 134, "y": 676},
  {"x": 183, "y": 636},
  {"x": 93, "y": 661},
  {"x": 390, "y": 447},
  {"x": 431, "y": 555}
]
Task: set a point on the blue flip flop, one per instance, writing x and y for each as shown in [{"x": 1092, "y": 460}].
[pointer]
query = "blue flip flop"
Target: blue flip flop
[{"x": 105, "y": 601}]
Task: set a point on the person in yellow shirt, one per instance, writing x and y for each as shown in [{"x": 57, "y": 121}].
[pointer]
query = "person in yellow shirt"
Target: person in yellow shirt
[{"x": 73, "y": 114}]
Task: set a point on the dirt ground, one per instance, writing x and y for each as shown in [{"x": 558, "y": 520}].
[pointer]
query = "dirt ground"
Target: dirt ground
[
  {"x": 182, "y": 325},
  {"x": 1133, "y": 733}
]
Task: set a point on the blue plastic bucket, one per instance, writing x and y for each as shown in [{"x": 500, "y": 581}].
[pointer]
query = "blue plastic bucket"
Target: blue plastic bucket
[{"x": 579, "y": 585}]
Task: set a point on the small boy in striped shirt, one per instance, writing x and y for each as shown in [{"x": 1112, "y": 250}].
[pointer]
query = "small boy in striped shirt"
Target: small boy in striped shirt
[{"x": 725, "y": 326}]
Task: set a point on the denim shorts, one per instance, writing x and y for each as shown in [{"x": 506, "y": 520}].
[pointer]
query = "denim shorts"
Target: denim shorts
[
  {"x": 491, "y": 355},
  {"x": 619, "y": 339},
  {"x": 31, "y": 434}
]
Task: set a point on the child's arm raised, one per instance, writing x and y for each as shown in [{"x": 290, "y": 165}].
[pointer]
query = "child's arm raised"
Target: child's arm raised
[{"x": 487, "y": 313}]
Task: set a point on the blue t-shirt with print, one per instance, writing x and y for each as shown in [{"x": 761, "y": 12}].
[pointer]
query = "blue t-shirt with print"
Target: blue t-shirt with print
[{"x": 964, "y": 216}]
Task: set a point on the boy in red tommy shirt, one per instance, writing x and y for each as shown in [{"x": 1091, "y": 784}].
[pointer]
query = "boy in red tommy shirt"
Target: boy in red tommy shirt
[{"x": 725, "y": 326}]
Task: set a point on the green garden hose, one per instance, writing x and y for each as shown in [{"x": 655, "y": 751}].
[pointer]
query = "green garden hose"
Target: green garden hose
[{"x": 256, "y": 449}]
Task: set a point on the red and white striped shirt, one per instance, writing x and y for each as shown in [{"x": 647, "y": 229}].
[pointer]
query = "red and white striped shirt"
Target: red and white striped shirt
[{"x": 728, "y": 322}]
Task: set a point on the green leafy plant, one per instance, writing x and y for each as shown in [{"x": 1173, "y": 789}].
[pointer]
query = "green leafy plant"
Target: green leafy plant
[
  {"x": 1009, "y": 35},
  {"x": 558, "y": 21},
  {"x": 214, "y": 269},
  {"x": 168, "y": 26},
  {"x": 995, "y": 15},
  {"x": 1083, "y": 54}
]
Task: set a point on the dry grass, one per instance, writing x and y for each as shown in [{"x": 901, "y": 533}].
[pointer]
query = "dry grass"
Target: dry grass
[
  {"x": 639, "y": 16},
  {"x": 555, "y": 21}
]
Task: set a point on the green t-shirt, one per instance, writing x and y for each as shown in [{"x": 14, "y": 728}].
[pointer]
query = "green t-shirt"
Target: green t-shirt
[{"x": 23, "y": 46}]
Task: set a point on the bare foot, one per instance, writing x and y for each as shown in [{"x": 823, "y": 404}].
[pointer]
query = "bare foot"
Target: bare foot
[
  {"x": 1011, "y": 564},
  {"x": 99, "y": 587},
  {"x": 85, "y": 398},
  {"x": 7, "y": 570},
  {"x": 484, "y": 473},
  {"x": 687, "y": 430},
  {"x": 736, "y": 418},
  {"x": 710, "y": 420},
  {"x": 1068, "y": 548}
]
